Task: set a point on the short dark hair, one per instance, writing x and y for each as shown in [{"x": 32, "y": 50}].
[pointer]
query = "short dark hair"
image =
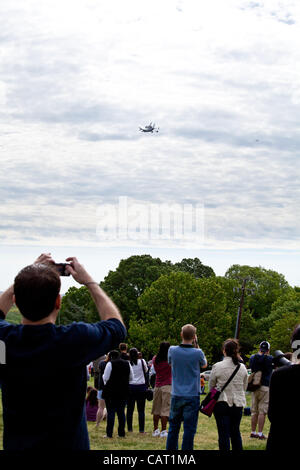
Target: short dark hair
[
  {"x": 113, "y": 355},
  {"x": 36, "y": 288},
  {"x": 123, "y": 347}
]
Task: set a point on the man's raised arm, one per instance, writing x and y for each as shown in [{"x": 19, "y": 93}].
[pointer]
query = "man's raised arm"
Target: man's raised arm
[
  {"x": 105, "y": 306},
  {"x": 6, "y": 300}
]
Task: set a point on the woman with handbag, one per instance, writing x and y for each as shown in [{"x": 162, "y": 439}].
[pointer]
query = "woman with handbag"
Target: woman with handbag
[
  {"x": 228, "y": 410},
  {"x": 137, "y": 390}
]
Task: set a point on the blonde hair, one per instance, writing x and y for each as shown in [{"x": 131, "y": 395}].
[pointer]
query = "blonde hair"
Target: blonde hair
[{"x": 188, "y": 332}]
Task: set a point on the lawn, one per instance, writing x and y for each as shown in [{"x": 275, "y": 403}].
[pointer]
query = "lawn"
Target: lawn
[{"x": 206, "y": 437}]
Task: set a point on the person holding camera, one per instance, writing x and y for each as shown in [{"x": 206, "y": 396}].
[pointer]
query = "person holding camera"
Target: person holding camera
[
  {"x": 262, "y": 361},
  {"x": 186, "y": 361},
  {"x": 284, "y": 410},
  {"x": 39, "y": 352}
]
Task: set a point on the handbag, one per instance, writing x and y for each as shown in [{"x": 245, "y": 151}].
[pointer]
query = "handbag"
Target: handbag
[{"x": 209, "y": 402}]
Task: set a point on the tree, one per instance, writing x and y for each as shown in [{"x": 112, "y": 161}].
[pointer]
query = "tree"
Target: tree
[
  {"x": 77, "y": 305},
  {"x": 177, "y": 299},
  {"x": 195, "y": 267},
  {"x": 285, "y": 318},
  {"x": 267, "y": 287},
  {"x": 133, "y": 275}
]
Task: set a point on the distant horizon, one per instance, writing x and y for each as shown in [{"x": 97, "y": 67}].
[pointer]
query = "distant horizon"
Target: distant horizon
[{"x": 99, "y": 261}]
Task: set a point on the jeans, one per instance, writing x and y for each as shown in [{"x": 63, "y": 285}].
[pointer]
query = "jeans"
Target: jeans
[
  {"x": 137, "y": 394},
  {"x": 228, "y": 419},
  {"x": 184, "y": 409},
  {"x": 115, "y": 406}
]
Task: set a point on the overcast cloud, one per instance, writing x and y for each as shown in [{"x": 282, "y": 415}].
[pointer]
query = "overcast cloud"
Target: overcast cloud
[{"x": 220, "y": 79}]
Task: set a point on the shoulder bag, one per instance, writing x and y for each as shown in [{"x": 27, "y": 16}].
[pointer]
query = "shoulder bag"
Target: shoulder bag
[{"x": 209, "y": 402}]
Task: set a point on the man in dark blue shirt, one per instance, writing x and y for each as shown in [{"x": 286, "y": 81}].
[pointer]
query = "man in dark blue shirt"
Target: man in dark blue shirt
[
  {"x": 44, "y": 379},
  {"x": 262, "y": 361}
]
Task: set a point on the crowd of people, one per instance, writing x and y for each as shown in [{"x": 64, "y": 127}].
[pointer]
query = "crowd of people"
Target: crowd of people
[{"x": 38, "y": 353}]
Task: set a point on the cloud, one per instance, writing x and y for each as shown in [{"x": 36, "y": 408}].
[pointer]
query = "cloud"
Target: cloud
[{"x": 76, "y": 84}]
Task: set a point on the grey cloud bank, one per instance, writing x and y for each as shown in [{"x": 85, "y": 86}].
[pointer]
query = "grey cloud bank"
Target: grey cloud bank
[{"x": 75, "y": 84}]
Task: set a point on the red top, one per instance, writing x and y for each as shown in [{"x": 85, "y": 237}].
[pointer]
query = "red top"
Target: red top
[{"x": 163, "y": 373}]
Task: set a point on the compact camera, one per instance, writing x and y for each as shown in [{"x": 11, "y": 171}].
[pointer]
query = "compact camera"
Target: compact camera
[{"x": 61, "y": 268}]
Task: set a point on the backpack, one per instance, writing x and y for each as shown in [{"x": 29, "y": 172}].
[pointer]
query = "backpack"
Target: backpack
[{"x": 254, "y": 381}]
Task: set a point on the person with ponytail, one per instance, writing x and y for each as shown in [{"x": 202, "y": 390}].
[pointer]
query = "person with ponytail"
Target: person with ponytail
[
  {"x": 137, "y": 390},
  {"x": 228, "y": 410}
]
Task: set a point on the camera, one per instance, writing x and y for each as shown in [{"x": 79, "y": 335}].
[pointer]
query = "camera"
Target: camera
[
  {"x": 61, "y": 268},
  {"x": 279, "y": 359}
]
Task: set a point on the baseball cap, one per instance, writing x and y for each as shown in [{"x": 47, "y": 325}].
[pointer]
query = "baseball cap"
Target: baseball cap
[{"x": 264, "y": 346}]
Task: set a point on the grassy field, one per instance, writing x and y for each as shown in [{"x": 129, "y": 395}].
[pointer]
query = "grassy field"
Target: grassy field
[{"x": 206, "y": 436}]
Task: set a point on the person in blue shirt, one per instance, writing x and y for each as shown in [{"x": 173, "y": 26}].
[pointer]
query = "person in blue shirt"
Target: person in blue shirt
[
  {"x": 186, "y": 361},
  {"x": 43, "y": 356}
]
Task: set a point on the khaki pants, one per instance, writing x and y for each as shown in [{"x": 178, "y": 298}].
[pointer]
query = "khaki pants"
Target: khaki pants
[{"x": 260, "y": 401}]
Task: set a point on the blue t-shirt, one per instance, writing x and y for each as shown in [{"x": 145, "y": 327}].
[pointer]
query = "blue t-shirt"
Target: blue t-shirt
[
  {"x": 44, "y": 381},
  {"x": 186, "y": 361}
]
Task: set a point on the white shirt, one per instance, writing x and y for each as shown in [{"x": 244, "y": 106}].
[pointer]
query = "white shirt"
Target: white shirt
[
  {"x": 234, "y": 393},
  {"x": 138, "y": 372}
]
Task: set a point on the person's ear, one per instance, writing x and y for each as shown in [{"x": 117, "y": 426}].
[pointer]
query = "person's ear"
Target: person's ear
[{"x": 58, "y": 302}]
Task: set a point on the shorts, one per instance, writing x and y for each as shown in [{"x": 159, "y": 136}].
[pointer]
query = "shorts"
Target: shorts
[
  {"x": 99, "y": 394},
  {"x": 260, "y": 401},
  {"x": 161, "y": 401}
]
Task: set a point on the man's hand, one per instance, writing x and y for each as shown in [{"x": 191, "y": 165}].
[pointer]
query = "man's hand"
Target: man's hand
[
  {"x": 77, "y": 271},
  {"x": 195, "y": 342},
  {"x": 44, "y": 258}
]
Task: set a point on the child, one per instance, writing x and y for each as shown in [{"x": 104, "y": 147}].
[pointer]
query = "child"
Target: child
[{"x": 91, "y": 404}]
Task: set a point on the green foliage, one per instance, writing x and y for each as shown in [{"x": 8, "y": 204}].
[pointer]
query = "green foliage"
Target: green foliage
[
  {"x": 130, "y": 279},
  {"x": 195, "y": 267},
  {"x": 77, "y": 305},
  {"x": 175, "y": 300},
  {"x": 14, "y": 316},
  {"x": 157, "y": 298},
  {"x": 266, "y": 286},
  {"x": 288, "y": 317}
]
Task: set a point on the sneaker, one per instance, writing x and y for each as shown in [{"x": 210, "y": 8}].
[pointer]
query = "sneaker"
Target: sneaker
[
  {"x": 262, "y": 437},
  {"x": 156, "y": 433},
  {"x": 163, "y": 434},
  {"x": 253, "y": 434}
]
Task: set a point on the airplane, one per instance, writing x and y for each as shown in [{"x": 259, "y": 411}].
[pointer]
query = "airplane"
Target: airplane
[{"x": 149, "y": 128}]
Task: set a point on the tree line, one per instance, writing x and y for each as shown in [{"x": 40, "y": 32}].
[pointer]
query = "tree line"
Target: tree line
[{"x": 157, "y": 297}]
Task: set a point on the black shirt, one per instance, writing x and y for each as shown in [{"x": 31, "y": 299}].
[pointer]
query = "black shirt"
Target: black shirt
[{"x": 44, "y": 381}]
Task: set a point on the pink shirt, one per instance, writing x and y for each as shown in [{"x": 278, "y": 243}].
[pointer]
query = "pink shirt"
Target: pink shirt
[{"x": 163, "y": 373}]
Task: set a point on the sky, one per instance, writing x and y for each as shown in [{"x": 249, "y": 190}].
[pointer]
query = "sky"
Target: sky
[{"x": 220, "y": 80}]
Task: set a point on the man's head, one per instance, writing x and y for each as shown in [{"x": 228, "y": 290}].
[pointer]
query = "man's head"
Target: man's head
[
  {"x": 264, "y": 347},
  {"x": 113, "y": 355},
  {"x": 36, "y": 290},
  {"x": 188, "y": 332},
  {"x": 123, "y": 347}
]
